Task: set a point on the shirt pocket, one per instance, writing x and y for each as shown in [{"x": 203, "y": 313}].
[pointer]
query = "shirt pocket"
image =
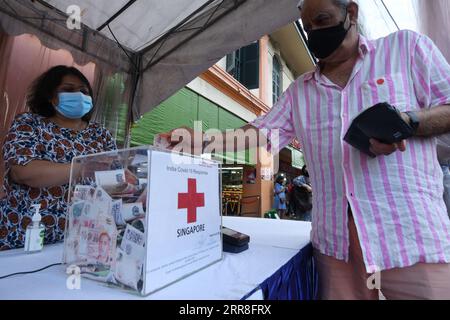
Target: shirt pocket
[{"x": 387, "y": 88}]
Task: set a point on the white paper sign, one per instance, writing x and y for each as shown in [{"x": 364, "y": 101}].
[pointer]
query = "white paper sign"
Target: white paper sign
[{"x": 184, "y": 220}]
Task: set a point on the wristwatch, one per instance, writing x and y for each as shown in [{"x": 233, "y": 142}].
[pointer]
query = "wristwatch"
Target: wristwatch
[{"x": 413, "y": 121}]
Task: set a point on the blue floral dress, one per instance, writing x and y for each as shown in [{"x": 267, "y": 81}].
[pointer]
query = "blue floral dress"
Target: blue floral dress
[{"x": 32, "y": 137}]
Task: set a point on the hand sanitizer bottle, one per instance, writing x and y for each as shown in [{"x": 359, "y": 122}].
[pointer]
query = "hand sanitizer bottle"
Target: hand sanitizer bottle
[{"x": 34, "y": 236}]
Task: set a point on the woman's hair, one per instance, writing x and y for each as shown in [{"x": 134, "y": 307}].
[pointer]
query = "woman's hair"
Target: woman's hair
[
  {"x": 342, "y": 4},
  {"x": 305, "y": 171},
  {"x": 279, "y": 179},
  {"x": 43, "y": 89}
]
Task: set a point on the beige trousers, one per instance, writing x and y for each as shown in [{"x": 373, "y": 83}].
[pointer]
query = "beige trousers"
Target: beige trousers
[{"x": 339, "y": 280}]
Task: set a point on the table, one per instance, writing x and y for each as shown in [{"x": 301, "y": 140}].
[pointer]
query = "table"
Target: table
[{"x": 274, "y": 245}]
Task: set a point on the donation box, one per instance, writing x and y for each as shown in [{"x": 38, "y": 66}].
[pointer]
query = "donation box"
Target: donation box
[{"x": 143, "y": 218}]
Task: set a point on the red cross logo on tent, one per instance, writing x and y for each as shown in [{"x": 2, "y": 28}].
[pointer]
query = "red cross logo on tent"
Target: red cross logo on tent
[{"x": 191, "y": 201}]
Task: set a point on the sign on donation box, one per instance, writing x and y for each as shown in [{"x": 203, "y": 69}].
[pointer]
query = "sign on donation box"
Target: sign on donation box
[{"x": 143, "y": 218}]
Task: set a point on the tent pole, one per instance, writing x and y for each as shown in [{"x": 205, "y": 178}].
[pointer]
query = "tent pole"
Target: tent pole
[
  {"x": 154, "y": 61},
  {"x": 130, "y": 117},
  {"x": 118, "y": 13}
]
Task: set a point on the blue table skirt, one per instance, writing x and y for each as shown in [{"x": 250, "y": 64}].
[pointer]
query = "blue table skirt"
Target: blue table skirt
[{"x": 296, "y": 280}]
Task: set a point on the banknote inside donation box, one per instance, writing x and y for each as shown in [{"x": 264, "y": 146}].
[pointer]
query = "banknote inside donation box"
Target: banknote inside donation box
[{"x": 141, "y": 236}]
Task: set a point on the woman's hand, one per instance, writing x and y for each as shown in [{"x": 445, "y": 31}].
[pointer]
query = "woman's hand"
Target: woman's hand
[{"x": 41, "y": 174}]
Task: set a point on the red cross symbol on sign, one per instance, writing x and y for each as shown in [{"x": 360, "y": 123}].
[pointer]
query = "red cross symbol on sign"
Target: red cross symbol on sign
[{"x": 191, "y": 201}]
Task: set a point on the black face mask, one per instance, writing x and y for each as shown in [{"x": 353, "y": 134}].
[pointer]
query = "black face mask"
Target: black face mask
[{"x": 323, "y": 42}]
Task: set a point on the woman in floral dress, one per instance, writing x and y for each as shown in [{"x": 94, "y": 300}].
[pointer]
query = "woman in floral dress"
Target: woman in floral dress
[{"x": 38, "y": 150}]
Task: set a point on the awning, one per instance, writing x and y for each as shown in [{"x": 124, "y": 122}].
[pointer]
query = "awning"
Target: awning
[{"x": 163, "y": 44}]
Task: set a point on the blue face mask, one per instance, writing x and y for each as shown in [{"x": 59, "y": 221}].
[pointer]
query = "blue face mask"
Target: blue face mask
[{"x": 74, "y": 105}]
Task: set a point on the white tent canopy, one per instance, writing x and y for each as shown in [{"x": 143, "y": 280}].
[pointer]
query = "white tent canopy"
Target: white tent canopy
[
  {"x": 163, "y": 44},
  {"x": 139, "y": 23}
]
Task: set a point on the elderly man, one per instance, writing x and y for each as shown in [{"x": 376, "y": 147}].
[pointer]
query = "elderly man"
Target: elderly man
[
  {"x": 385, "y": 214},
  {"x": 372, "y": 217}
]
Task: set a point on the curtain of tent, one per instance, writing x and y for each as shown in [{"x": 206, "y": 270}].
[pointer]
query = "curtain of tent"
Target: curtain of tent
[
  {"x": 50, "y": 26},
  {"x": 434, "y": 21},
  {"x": 113, "y": 92},
  {"x": 23, "y": 58},
  {"x": 5, "y": 52},
  {"x": 380, "y": 17},
  {"x": 112, "y": 71},
  {"x": 374, "y": 21}
]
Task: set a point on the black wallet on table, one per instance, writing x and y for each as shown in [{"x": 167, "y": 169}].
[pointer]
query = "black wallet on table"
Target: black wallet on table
[
  {"x": 382, "y": 122},
  {"x": 234, "y": 241}
]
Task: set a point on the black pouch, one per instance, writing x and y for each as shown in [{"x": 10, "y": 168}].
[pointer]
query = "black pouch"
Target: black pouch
[
  {"x": 382, "y": 122},
  {"x": 234, "y": 237},
  {"x": 234, "y": 241}
]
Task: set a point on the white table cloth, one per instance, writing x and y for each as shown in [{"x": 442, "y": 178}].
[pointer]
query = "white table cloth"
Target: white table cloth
[{"x": 272, "y": 244}]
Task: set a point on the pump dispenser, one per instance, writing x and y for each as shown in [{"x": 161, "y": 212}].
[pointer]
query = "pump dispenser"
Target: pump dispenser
[{"x": 34, "y": 236}]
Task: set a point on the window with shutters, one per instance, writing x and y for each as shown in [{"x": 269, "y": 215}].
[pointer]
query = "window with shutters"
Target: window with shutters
[
  {"x": 276, "y": 79},
  {"x": 243, "y": 65}
]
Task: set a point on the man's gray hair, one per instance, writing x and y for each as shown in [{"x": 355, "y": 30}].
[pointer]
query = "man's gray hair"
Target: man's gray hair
[{"x": 343, "y": 4}]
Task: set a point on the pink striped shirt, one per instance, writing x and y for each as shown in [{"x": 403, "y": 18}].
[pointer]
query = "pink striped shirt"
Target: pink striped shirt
[{"x": 397, "y": 200}]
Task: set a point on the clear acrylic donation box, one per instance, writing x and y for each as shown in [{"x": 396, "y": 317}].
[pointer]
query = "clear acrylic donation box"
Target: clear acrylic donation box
[{"x": 143, "y": 218}]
